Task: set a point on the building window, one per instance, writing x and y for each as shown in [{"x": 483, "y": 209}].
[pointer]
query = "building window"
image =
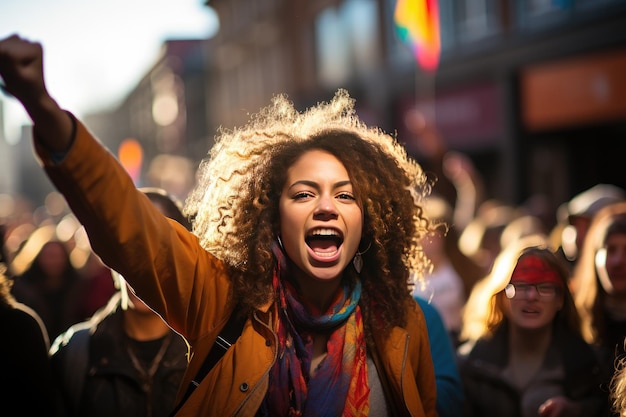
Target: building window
[
  {"x": 476, "y": 19},
  {"x": 346, "y": 41},
  {"x": 538, "y": 14}
]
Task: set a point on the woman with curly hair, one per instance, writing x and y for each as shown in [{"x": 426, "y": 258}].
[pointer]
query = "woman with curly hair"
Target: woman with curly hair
[
  {"x": 305, "y": 224},
  {"x": 524, "y": 354}
]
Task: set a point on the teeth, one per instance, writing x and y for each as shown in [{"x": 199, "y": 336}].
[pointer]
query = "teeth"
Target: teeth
[
  {"x": 323, "y": 232},
  {"x": 325, "y": 254}
]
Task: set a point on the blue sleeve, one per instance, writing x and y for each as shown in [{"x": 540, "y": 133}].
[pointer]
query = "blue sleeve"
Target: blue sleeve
[{"x": 449, "y": 386}]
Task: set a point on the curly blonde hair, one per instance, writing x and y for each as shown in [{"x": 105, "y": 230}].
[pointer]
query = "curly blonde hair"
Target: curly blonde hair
[
  {"x": 6, "y": 298},
  {"x": 235, "y": 202},
  {"x": 617, "y": 387}
]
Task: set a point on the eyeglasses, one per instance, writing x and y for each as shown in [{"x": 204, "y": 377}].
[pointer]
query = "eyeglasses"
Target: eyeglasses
[{"x": 545, "y": 291}]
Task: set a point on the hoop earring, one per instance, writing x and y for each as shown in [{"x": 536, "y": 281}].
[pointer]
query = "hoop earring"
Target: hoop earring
[
  {"x": 280, "y": 243},
  {"x": 357, "y": 261}
]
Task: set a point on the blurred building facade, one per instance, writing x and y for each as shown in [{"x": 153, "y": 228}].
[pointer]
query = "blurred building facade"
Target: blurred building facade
[
  {"x": 7, "y": 172},
  {"x": 531, "y": 91},
  {"x": 163, "y": 126}
]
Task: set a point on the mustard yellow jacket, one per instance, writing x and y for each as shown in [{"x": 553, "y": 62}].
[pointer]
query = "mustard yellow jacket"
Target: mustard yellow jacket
[{"x": 189, "y": 287}]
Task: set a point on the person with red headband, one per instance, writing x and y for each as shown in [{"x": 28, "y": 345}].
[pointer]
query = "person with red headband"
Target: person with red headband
[{"x": 523, "y": 352}]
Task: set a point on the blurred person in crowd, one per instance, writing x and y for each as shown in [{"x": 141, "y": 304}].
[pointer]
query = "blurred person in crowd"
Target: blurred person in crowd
[
  {"x": 443, "y": 286},
  {"x": 599, "y": 284},
  {"x": 125, "y": 360},
  {"x": 481, "y": 239},
  {"x": 97, "y": 285},
  {"x": 25, "y": 376},
  {"x": 456, "y": 185},
  {"x": 307, "y": 224},
  {"x": 449, "y": 386},
  {"x": 524, "y": 354},
  {"x": 539, "y": 206},
  {"x": 575, "y": 216},
  {"x": 46, "y": 280}
]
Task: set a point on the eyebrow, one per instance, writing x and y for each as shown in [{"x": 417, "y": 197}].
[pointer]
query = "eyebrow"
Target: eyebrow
[{"x": 314, "y": 184}]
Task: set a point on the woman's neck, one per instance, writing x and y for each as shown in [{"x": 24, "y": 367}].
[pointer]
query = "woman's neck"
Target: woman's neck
[
  {"x": 529, "y": 342},
  {"x": 319, "y": 293},
  {"x": 144, "y": 326}
]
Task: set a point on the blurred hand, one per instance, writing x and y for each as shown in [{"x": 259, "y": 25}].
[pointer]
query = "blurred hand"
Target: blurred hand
[
  {"x": 458, "y": 167},
  {"x": 21, "y": 67},
  {"x": 559, "y": 407}
]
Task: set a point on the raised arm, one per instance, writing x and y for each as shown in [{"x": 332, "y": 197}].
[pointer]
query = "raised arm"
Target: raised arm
[
  {"x": 21, "y": 68},
  {"x": 161, "y": 259}
]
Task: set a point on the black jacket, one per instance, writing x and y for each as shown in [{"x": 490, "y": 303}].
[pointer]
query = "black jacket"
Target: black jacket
[
  {"x": 488, "y": 394},
  {"x": 112, "y": 384}
]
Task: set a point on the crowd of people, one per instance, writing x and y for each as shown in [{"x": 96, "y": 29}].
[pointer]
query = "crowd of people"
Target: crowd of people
[{"x": 365, "y": 283}]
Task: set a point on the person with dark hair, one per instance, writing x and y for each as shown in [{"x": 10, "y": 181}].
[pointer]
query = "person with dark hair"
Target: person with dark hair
[
  {"x": 525, "y": 355},
  {"x": 125, "y": 360},
  {"x": 305, "y": 224},
  {"x": 47, "y": 281},
  {"x": 25, "y": 376},
  {"x": 599, "y": 285},
  {"x": 574, "y": 217},
  {"x": 167, "y": 204}
]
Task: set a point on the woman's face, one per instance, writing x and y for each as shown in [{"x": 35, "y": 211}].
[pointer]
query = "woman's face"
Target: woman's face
[
  {"x": 320, "y": 220},
  {"x": 533, "y": 307},
  {"x": 616, "y": 261}
]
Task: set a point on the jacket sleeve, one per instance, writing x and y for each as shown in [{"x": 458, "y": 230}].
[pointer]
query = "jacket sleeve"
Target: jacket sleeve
[
  {"x": 425, "y": 375},
  {"x": 162, "y": 261}
]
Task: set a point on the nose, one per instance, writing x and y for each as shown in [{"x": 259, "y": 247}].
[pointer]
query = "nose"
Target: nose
[
  {"x": 325, "y": 208},
  {"x": 531, "y": 292}
]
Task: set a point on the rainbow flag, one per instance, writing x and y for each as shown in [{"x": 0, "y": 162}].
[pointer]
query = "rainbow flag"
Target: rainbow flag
[{"x": 417, "y": 24}]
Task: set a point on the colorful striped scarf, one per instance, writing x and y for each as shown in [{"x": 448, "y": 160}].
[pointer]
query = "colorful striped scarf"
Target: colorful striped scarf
[{"x": 339, "y": 386}]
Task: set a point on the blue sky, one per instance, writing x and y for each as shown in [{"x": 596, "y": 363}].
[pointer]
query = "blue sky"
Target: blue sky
[{"x": 96, "y": 51}]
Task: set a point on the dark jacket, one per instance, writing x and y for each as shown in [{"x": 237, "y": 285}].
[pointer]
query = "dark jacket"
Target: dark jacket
[
  {"x": 25, "y": 378},
  {"x": 112, "y": 385},
  {"x": 488, "y": 394}
]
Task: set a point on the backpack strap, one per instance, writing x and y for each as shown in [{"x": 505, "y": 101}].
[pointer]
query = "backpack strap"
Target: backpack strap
[{"x": 229, "y": 335}]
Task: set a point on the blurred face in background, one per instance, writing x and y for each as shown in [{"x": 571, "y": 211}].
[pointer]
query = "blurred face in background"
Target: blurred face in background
[
  {"x": 581, "y": 225},
  {"x": 615, "y": 263},
  {"x": 53, "y": 259},
  {"x": 534, "y": 296}
]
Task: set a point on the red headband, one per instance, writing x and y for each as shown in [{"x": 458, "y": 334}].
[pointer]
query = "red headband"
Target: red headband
[{"x": 534, "y": 270}]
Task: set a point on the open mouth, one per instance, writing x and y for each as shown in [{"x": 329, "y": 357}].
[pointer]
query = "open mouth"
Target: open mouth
[
  {"x": 324, "y": 242},
  {"x": 530, "y": 310}
]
